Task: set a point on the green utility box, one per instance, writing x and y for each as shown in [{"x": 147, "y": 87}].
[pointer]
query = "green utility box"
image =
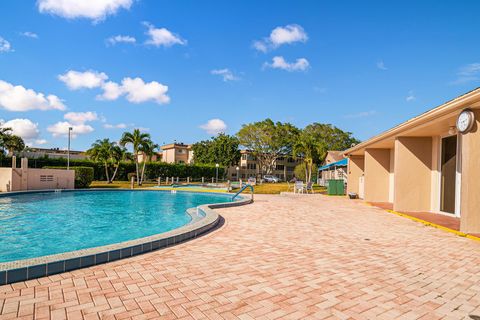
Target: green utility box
[{"x": 336, "y": 187}]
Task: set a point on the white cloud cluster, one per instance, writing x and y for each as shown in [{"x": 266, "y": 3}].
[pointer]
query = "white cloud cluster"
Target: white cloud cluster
[
  {"x": 5, "y": 45},
  {"x": 468, "y": 73},
  {"x": 115, "y": 126},
  {"x": 29, "y": 34},
  {"x": 88, "y": 79},
  {"x": 214, "y": 126},
  {"x": 410, "y": 97},
  {"x": 162, "y": 37},
  {"x": 18, "y": 98},
  {"x": 279, "y": 62},
  {"x": 95, "y": 10},
  {"x": 121, "y": 39},
  {"x": 281, "y": 35},
  {"x": 135, "y": 90},
  {"x": 80, "y": 117},
  {"x": 76, "y": 121},
  {"x": 26, "y": 129},
  {"x": 226, "y": 74},
  {"x": 381, "y": 65}
]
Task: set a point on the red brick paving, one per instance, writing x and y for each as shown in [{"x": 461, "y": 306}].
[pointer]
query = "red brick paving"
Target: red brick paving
[{"x": 283, "y": 257}]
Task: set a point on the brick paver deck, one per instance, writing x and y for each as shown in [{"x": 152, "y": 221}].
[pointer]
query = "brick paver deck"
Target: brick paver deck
[{"x": 283, "y": 257}]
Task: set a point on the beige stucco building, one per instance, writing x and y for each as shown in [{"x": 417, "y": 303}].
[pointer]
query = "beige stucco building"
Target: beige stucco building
[
  {"x": 24, "y": 178},
  {"x": 425, "y": 164},
  {"x": 177, "y": 153}
]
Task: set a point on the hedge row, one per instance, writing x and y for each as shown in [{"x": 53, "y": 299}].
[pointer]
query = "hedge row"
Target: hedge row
[{"x": 153, "y": 170}]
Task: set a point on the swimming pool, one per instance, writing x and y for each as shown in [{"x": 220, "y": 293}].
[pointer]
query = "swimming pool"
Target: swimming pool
[{"x": 39, "y": 224}]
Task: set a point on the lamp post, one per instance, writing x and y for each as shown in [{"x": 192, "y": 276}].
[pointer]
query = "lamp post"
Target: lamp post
[
  {"x": 238, "y": 170},
  {"x": 216, "y": 172},
  {"x": 68, "y": 149}
]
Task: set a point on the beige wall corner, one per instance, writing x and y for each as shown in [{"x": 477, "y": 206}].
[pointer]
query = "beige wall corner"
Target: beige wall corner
[
  {"x": 356, "y": 166},
  {"x": 377, "y": 175},
  {"x": 413, "y": 174},
  {"x": 470, "y": 199}
]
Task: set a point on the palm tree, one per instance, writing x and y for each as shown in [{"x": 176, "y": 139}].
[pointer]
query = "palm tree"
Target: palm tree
[
  {"x": 118, "y": 154},
  {"x": 309, "y": 150},
  {"x": 101, "y": 151},
  {"x": 13, "y": 143},
  {"x": 4, "y": 133},
  {"x": 148, "y": 150},
  {"x": 137, "y": 139}
]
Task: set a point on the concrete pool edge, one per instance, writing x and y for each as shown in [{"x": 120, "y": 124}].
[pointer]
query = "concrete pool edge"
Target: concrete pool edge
[{"x": 28, "y": 269}]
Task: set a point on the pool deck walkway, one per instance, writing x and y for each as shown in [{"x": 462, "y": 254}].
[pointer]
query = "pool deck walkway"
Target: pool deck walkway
[{"x": 283, "y": 257}]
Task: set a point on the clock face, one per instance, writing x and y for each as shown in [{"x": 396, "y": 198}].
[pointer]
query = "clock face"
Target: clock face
[{"x": 465, "y": 121}]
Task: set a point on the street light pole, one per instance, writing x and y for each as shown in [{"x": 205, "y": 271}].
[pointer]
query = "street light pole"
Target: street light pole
[
  {"x": 68, "y": 149},
  {"x": 216, "y": 172},
  {"x": 238, "y": 170}
]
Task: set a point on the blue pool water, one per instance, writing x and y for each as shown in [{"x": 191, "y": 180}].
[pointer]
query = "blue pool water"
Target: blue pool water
[{"x": 39, "y": 224}]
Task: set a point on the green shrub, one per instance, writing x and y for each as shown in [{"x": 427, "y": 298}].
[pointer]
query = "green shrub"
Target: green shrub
[{"x": 83, "y": 175}]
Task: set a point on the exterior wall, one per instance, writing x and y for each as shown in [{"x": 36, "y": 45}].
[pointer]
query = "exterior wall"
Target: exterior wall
[
  {"x": 176, "y": 153},
  {"x": 470, "y": 201},
  {"x": 38, "y": 179},
  {"x": 356, "y": 165},
  {"x": 35, "y": 179},
  {"x": 5, "y": 179},
  {"x": 377, "y": 175},
  {"x": 413, "y": 174}
]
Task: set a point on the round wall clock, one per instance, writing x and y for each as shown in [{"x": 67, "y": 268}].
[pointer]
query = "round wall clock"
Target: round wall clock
[{"x": 465, "y": 121}]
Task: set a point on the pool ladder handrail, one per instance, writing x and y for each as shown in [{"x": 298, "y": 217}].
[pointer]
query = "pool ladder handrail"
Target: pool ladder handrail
[{"x": 242, "y": 189}]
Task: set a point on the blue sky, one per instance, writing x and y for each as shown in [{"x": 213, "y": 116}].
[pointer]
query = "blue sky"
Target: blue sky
[{"x": 362, "y": 66}]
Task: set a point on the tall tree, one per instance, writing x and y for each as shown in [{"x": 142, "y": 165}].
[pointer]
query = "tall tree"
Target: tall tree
[
  {"x": 137, "y": 139},
  {"x": 268, "y": 141},
  {"x": 330, "y": 137},
  {"x": 310, "y": 151},
  {"x": 222, "y": 149},
  {"x": 101, "y": 151},
  {"x": 148, "y": 150},
  {"x": 118, "y": 154}
]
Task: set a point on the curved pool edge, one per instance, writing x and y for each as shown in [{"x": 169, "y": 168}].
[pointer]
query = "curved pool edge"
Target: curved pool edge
[{"x": 28, "y": 269}]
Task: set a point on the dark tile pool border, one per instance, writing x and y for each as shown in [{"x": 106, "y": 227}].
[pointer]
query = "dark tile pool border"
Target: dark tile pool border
[{"x": 204, "y": 218}]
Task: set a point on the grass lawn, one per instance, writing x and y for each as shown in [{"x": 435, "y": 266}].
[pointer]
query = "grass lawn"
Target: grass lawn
[
  {"x": 265, "y": 188},
  {"x": 276, "y": 188},
  {"x": 119, "y": 184}
]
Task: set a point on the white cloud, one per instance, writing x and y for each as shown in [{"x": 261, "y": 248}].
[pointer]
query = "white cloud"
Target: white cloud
[
  {"x": 29, "y": 34},
  {"x": 162, "y": 37},
  {"x": 24, "y": 128},
  {"x": 39, "y": 142},
  {"x": 468, "y": 73},
  {"x": 80, "y": 117},
  {"x": 89, "y": 79},
  {"x": 60, "y": 129},
  {"x": 18, "y": 98},
  {"x": 5, "y": 45},
  {"x": 279, "y": 62},
  {"x": 138, "y": 91},
  {"x": 381, "y": 65},
  {"x": 115, "y": 126},
  {"x": 120, "y": 39},
  {"x": 214, "y": 126},
  {"x": 410, "y": 97},
  {"x": 281, "y": 35},
  {"x": 226, "y": 74},
  {"x": 95, "y": 10},
  {"x": 111, "y": 91}
]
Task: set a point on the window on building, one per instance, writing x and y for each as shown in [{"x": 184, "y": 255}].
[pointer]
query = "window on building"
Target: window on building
[{"x": 280, "y": 167}]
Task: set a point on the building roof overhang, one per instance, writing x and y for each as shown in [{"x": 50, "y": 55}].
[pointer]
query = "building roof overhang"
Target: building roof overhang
[{"x": 430, "y": 123}]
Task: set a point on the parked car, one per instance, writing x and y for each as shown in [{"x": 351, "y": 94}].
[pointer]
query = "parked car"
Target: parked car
[{"x": 270, "y": 178}]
